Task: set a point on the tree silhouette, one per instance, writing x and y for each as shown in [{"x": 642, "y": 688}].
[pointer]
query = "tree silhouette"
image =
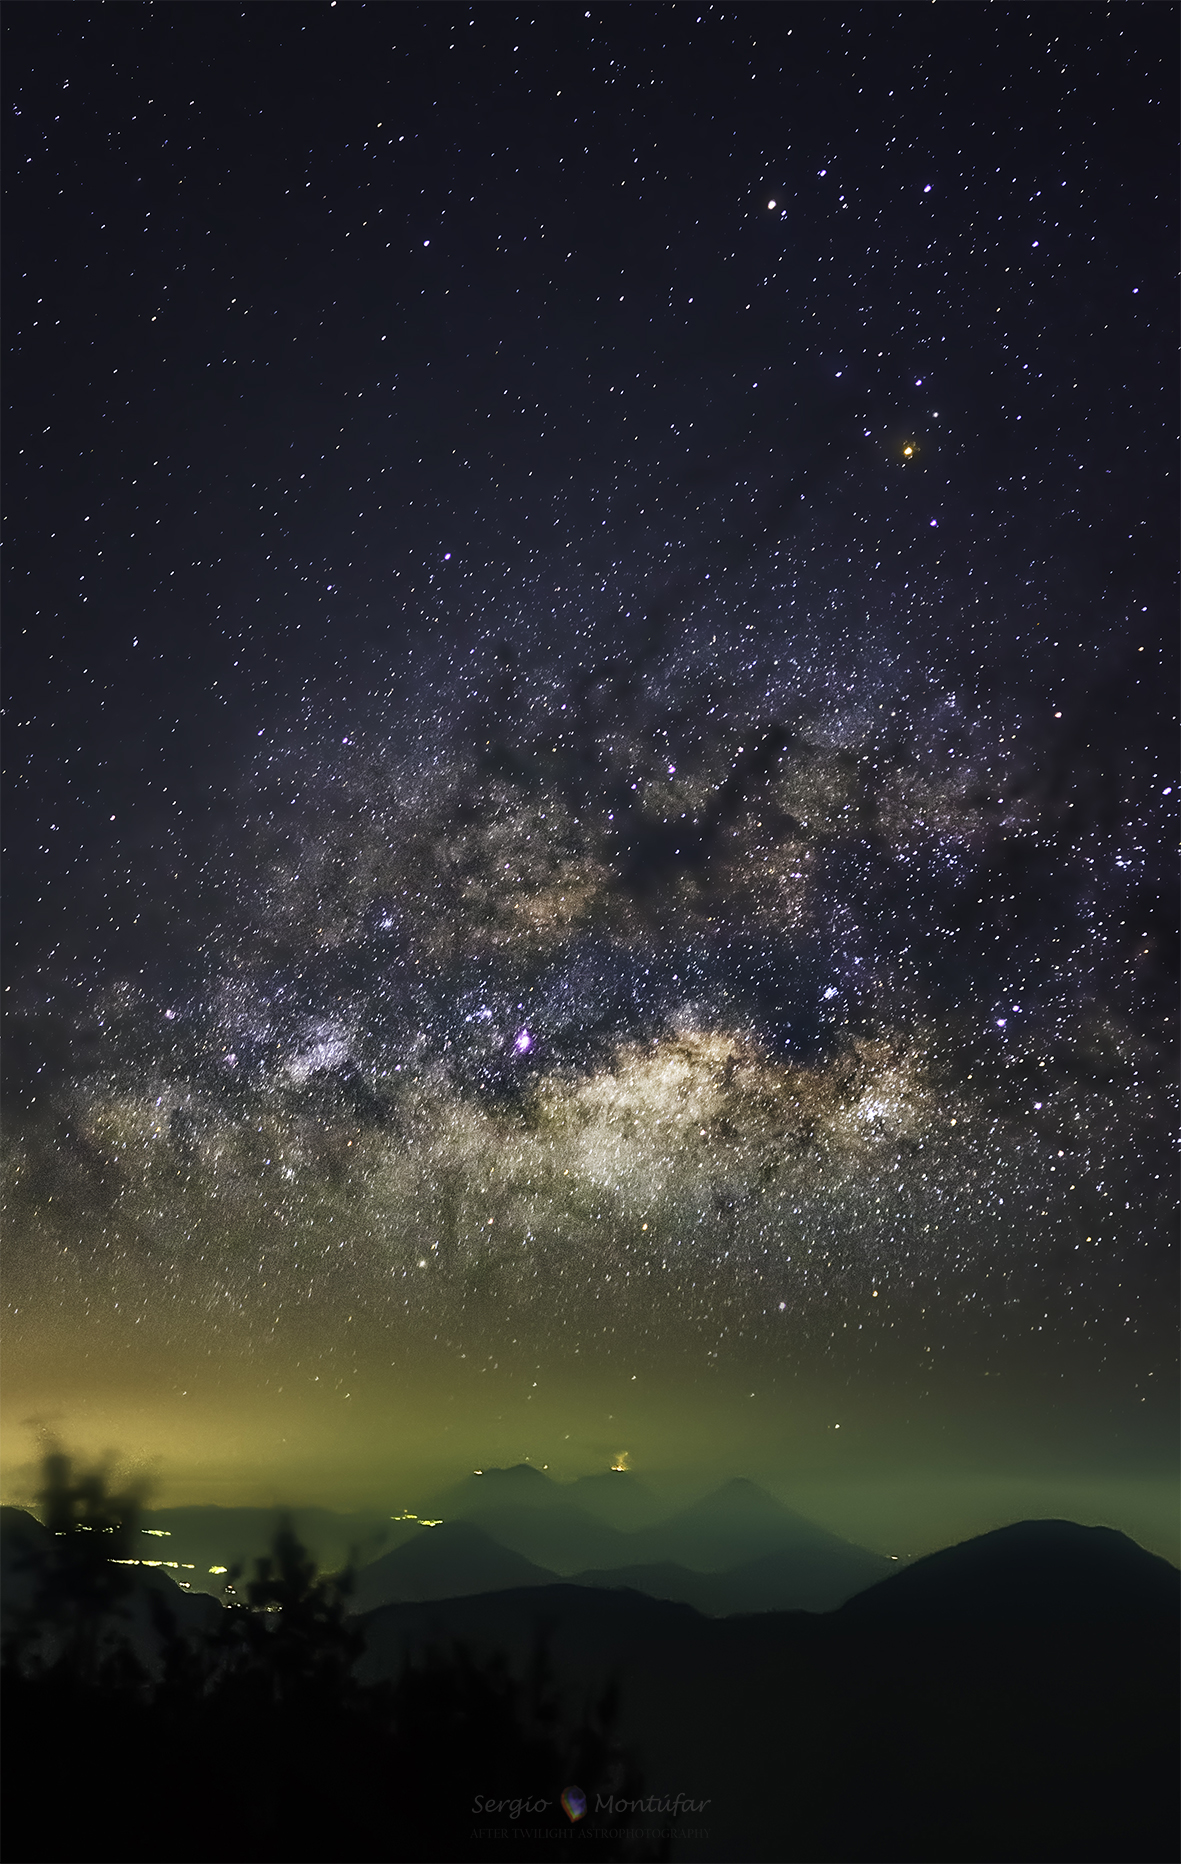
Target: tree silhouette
[
  {"x": 464, "y": 1724},
  {"x": 75, "y": 1623},
  {"x": 258, "y": 1740}
]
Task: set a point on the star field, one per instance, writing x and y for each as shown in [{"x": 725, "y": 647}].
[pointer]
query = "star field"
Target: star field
[{"x": 591, "y": 791}]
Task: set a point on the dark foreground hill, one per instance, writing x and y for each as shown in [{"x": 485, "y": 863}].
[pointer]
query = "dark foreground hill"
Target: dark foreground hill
[
  {"x": 1034, "y": 1573},
  {"x": 1013, "y": 1698},
  {"x": 923, "y": 1721}
]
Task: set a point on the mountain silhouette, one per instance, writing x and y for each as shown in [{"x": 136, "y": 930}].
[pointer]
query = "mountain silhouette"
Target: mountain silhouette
[
  {"x": 519, "y": 1486},
  {"x": 590, "y": 1631},
  {"x": 459, "y": 1558},
  {"x": 794, "y": 1579},
  {"x": 740, "y": 1522},
  {"x": 1010, "y": 1698},
  {"x": 20, "y": 1533},
  {"x": 26, "y": 1548},
  {"x": 662, "y": 1579},
  {"x": 558, "y": 1535},
  {"x": 1035, "y": 1572},
  {"x": 450, "y": 1561},
  {"x": 809, "y": 1576},
  {"x": 737, "y": 1523},
  {"x": 617, "y": 1496}
]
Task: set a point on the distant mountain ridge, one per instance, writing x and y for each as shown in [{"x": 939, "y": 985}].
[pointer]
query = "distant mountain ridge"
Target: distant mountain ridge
[
  {"x": 735, "y": 1550},
  {"x": 617, "y": 1497},
  {"x": 787, "y": 1580},
  {"x": 734, "y": 1526},
  {"x": 740, "y": 1522},
  {"x": 453, "y": 1560},
  {"x": 739, "y": 1550}
]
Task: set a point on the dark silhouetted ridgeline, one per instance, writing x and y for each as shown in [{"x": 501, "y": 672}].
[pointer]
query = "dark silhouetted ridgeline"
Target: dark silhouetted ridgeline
[{"x": 1010, "y": 1698}]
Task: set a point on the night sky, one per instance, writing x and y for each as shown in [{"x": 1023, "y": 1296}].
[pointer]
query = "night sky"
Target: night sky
[{"x": 590, "y": 741}]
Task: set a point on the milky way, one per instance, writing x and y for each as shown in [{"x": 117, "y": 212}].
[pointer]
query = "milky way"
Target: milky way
[
  {"x": 589, "y": 733},
  {"x": 728, "y": 991}
]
